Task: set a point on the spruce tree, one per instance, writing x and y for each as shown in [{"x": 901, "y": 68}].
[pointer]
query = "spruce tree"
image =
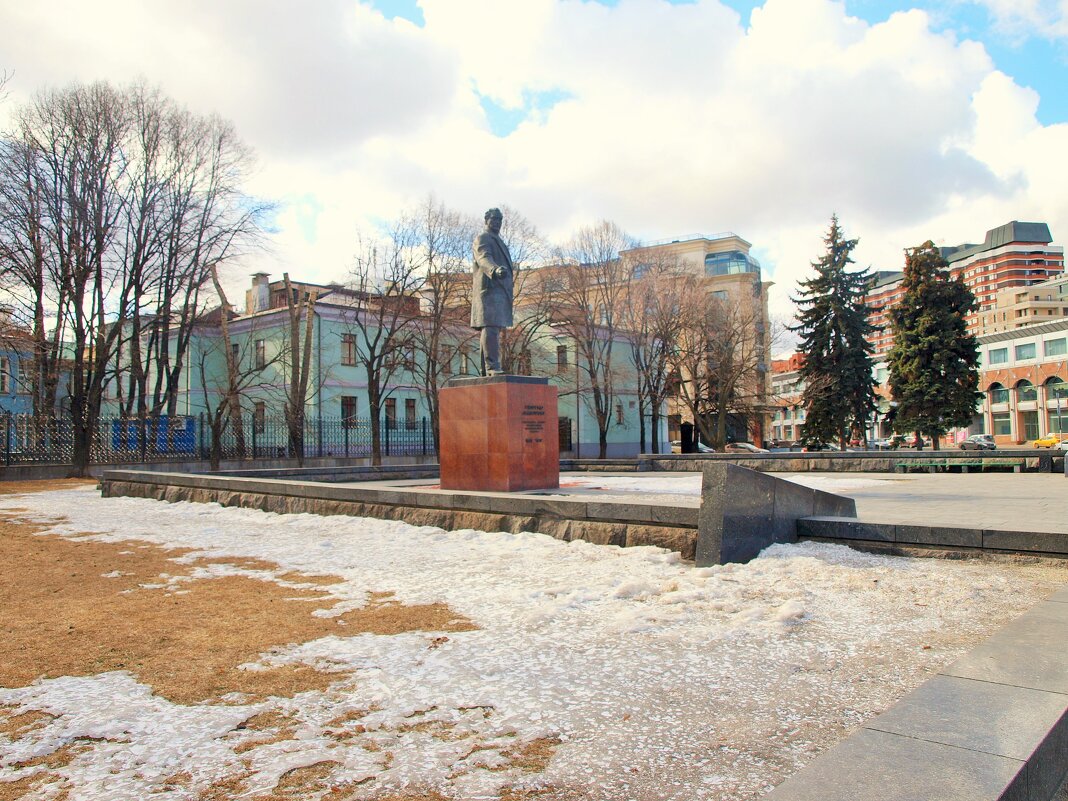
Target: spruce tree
[
  {"x": 934, "y": 374},
  {"x": 839, "y": 394}
]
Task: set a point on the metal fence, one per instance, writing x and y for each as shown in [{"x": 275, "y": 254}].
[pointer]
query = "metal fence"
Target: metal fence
[{"x": 36, "y": 440}]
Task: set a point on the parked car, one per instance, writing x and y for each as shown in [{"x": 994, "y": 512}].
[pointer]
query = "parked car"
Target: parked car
[
  {"x": 676, "y": 447},
  {"x": 744, "y": 447},
  {"x": 1063, "y": 445},
  {"x": 884, "y": 445},
  {"x": 910, "y": 442},
  {"x": 1048, "y": 441},
  {"x": 979, "y": 442}
]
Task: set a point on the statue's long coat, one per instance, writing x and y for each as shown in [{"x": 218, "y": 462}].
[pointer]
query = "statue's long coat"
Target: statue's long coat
[{"x": 491, "y": 298}]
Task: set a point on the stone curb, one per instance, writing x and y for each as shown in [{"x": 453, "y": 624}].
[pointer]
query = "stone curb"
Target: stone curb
[
  {"x": 991, "y": 726},
  {"x": 863, "y": 532}
]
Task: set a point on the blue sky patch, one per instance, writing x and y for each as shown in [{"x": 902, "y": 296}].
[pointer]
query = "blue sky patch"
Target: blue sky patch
[
  {"x": 503, "y": 121},
  {"x": 405, "y": 9}
]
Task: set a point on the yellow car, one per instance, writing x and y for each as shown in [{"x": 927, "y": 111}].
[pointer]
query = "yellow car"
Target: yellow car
[{"x": 1048, "y": 441}]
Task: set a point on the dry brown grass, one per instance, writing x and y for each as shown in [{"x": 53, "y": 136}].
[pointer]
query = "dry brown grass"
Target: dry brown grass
[
  {"x": 185, "y": 640},
  {"x": 62, "y": 617}
]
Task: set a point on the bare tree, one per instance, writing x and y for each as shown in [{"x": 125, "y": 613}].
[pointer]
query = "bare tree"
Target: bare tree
[
  {"x": 719, "y": 359},
  {"x": 594, "y": 282},
  {"x": 108, "y": 223},
  {"x": 440, "y": 251},
  {"x": 299, "y": 349},
  {"x": 651, "y": 327},
  {"x": 200, "y": 218},
  {"x": 385, "y": 282}
]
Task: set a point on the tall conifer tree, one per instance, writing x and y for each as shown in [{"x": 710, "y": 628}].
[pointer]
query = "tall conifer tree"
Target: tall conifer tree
[
  {"x": 839, "y": 395},
  {"x": 934, "y": 374}
]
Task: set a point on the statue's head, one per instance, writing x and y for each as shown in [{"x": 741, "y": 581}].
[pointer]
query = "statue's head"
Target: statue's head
[
  {"x": 494, "y": 213},
  {"x": 494, "y": 218}
]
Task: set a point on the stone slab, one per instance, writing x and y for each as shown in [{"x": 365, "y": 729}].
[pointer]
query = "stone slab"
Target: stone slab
[
  {"x": 938, "y": 535},
  {"x": 744, "y": 511},
  {"x": 1060, "y": 596},
  {"x": 978, "y": 715},
  {"x": 877, "y": 766},
  {"x": 1035, "y": 541},
  {"x": 845, "y": 528},
  {"x": 1031, "y": 652},
  {"x": 499, "y": 434}
]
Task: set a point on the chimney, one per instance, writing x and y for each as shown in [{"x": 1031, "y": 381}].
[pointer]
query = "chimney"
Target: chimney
[{"x": 258, "y": 298}]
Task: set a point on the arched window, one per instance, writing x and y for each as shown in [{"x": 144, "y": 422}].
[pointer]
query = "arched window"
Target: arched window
[
  {"x": 1026, "y": 391},
  {"x": 1056, "y": 387},
  {"x": 998, "y": 393}
]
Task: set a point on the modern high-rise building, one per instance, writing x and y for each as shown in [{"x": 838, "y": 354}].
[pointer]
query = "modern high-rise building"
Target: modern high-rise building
[{"x": 1016, "y": 254}]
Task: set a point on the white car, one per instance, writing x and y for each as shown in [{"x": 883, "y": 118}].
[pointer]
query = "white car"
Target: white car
[
  {"x": 676, "y": 447},
  {"x": 1063, "y": 445}
]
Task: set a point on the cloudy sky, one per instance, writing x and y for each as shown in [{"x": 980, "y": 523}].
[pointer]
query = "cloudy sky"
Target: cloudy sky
[{"x": 933, "y": 120}]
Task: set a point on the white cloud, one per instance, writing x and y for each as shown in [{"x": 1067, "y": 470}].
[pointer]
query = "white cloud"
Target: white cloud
[
  {"x": 1024, "y": 18},
  {"x": 675, "y": 119}
]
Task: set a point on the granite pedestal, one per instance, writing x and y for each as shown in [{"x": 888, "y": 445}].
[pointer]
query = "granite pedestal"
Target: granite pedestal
[{"x": 499, "y": 434}]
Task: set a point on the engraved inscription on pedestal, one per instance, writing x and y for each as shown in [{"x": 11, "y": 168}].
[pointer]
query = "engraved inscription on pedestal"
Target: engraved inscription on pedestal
[{"x": 533, "y": 421}]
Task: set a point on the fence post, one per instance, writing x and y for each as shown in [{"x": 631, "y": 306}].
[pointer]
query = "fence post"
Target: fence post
[
  {"x": 319, "y": 431},
  {"x": 7, "y": 439},
  {"x": 385, "y": 421},
  {"x": 253, "y": 421},
  {"x": 345, "y": 428},
  {"x": 424, "y": 436},
  {"x": 200, "y": 434}
]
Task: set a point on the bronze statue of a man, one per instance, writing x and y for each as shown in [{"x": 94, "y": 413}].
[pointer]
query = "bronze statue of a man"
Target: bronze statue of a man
[{"x": 491, "y": 296}]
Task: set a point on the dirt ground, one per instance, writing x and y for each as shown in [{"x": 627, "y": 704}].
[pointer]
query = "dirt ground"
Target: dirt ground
[{"x": 78, "y": 607}]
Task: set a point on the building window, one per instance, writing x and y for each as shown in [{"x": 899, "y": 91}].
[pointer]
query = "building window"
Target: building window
[
  {"x": 619, "y": 414},
  {"x": 999, "y": 356},
  {"x": 1025, "y": 351},
  {"x": 465, "y": 362},
  {"x": 1002, "y": 426},
  {"x": 524, "y": 362},
  {"x": 259, "y": 417},
  {"x": 409, "y": 413},
  {"x": 1055, "y": 347},
  {"x": 1056, "y": 389},
  {"x": 349, "y": 410},
  {"x": 261, "y": 354},
  {"x": 1026, "y": 391},
  {"x": 391, "y": 413},
  {"x": 999, "y": 394},
  {"x": 235, "y": 352},
  {"x": 561, "y": 358},
  {"x": 348, "y": 350},
  {"x": 5, "y": 375}
]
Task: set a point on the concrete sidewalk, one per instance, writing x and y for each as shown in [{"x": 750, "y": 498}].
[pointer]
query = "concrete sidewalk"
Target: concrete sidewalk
[{"x": 1004, "y": 501}]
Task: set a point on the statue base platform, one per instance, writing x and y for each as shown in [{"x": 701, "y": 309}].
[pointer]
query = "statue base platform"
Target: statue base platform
[{"x": 499, "y": 434}]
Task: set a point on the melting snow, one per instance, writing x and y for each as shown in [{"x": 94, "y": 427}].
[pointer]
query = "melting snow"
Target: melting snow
[{"x": 661, "y": 681}]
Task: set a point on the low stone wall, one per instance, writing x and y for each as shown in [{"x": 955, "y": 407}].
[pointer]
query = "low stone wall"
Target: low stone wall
[
  {"x": 905, "y": 538},
  {"x": 1031, "y": 461},
  {"x": 563, "y": 518},
  {"x": 741, "y": 512}
]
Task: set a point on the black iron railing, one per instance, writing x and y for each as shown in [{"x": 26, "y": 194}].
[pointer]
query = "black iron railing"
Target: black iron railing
[{"x": 30, "y": 439}]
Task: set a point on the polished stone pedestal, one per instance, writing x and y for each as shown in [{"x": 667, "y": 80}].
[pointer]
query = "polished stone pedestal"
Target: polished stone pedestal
[{"x": 499, "y": 434}]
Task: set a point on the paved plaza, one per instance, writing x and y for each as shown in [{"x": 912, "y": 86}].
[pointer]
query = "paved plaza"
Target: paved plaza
[{"x": 1008, "y": 501}]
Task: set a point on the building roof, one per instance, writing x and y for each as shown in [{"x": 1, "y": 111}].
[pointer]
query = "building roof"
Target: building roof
[
  {"x": 885, "y": 278},
  {"x": 1006, "y": 234},
  {"x": 1055, "y": 327}
]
